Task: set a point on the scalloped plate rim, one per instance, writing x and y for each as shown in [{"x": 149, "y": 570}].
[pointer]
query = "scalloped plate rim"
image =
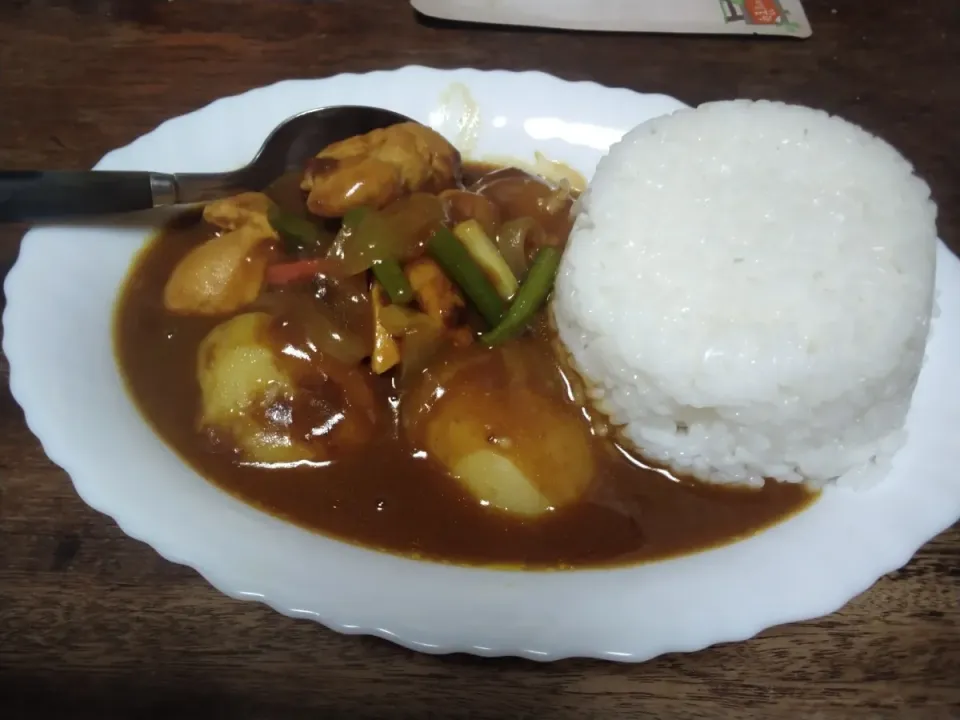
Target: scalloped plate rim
[{"x": 490, "y": 638}]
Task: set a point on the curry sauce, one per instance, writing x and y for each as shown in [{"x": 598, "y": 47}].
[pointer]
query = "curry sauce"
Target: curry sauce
[{"x": 391, "y": 495}]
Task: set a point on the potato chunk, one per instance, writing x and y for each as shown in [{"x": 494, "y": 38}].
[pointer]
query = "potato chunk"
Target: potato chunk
[
  {"x": 240, "y": 380},
  {"x": 375, "y": 169},
  {"x": 511, "y": 450},
  {"x": 483, "y": 416},
  {"x": 280, "y": 402}
]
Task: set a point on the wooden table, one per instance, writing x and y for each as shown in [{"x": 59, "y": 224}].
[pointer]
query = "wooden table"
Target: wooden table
[{"x": 94, "y": 624}]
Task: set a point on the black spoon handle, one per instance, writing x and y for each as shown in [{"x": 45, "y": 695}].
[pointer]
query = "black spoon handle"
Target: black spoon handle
[{"x": 40, "y": 195}]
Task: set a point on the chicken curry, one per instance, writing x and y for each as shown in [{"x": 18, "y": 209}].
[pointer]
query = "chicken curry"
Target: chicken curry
[{"x": 364, "y": 349}]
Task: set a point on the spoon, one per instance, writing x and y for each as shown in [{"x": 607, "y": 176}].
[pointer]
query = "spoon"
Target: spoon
[{"x": 30, "y": 195}]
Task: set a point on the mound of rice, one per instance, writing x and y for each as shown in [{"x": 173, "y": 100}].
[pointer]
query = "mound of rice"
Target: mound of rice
[{"x": 747, "y": 292}]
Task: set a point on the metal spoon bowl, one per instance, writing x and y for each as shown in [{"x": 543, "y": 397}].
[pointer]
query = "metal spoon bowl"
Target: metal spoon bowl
[{"x": 30, "y": 195}]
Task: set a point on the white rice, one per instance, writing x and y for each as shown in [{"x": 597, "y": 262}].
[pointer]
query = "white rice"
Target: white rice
[{"x": 748, "y": 290}]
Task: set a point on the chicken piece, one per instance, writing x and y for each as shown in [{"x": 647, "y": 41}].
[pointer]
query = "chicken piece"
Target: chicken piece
[
  {"x": 219, "y": 276},
  {"x": 251, "y": 208},
  {"x": 226, "y": 272},
  {"x": 375, "y": 169},
  {"x": 434, "y": 291},
  {"x": 386, "y": 352}
]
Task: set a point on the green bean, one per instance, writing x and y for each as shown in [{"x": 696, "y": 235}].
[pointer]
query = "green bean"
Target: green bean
[
  {"x": 530, "y": 297},
  {"x": 486, "y": 255},
  {"x": 456, "y": 262},
  {"x": 390, "y": 275}
]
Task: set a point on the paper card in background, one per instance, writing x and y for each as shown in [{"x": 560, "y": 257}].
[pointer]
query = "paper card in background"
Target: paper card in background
[{"x": 728, "y": 17}]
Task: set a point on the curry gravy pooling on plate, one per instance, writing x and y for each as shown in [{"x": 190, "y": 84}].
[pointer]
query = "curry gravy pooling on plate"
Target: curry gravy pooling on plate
[{"x": 364, "y": 350}]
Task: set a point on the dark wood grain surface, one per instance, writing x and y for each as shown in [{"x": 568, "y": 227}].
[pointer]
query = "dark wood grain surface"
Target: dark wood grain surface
[{"x": 94, "y": 624}]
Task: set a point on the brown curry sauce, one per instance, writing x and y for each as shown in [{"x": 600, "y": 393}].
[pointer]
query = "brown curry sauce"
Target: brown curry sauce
[{"x": 385, "y": 498}]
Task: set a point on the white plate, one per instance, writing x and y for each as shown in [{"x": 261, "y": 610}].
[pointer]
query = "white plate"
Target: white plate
[{"x": 57, "y": 337}]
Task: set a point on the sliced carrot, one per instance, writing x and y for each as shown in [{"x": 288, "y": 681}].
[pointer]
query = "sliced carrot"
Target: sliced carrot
[{"x": 301, "y": 270}]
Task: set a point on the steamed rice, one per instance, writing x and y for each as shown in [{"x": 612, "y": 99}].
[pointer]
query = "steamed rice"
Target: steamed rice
[{"x": 747, "y": 292}]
